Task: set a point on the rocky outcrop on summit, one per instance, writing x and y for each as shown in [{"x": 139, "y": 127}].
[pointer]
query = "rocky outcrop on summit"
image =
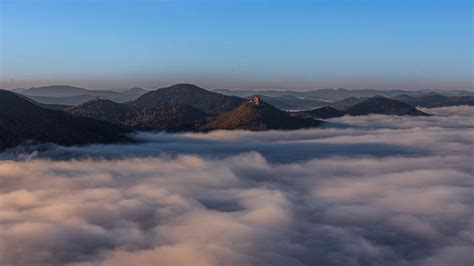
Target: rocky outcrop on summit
[{"x": 257, "y": 115}]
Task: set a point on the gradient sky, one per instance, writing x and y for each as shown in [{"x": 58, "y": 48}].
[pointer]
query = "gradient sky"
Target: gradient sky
[{"x": 384, "y": 44}]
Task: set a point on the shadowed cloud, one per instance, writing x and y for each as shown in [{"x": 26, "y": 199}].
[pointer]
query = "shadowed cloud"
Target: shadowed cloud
[{"x": 225, "y": 198}]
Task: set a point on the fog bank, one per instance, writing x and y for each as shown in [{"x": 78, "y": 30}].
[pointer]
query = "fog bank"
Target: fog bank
[{"x": 373, "y": 190}]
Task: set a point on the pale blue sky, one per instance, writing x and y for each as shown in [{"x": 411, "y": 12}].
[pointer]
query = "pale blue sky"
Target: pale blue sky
[{"x": 408, "y": 44}]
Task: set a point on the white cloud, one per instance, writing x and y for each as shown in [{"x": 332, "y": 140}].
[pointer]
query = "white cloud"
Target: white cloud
[{"x": 138, "y": 207}]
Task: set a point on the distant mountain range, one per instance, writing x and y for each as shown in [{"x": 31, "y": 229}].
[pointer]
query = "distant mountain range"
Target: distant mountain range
[
  {"x": 69, "y": 95},
  {"x": 342, "y": 99},
  {"x": 181, "y": 107},
  {"x": 435, "y": 100},
  {"x": 22, "y": 121},
  {"x": 174, "y": 108},
  {"x": 188, "y": 107},
  {"x": 373, "y": 105},
  {"x": 339, "y": 94},
  {"x": 425, "y": 101},
  {"x": 284, "y": 100}
]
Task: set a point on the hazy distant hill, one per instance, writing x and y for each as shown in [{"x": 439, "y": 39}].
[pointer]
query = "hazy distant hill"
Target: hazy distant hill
[
  {"x": 258, "y": 116},
  {"x": 23, "y": 121},
  {"x": 384, "y": 106},
  {"x": 134, "y": 91},
  {"x": 55, "y": 91},
  {"x": 43, "y": 105},
  {"x": 435, "y": 100},
  {"x": 68, "y": 100},
  {"x": 345, "y": 103}
]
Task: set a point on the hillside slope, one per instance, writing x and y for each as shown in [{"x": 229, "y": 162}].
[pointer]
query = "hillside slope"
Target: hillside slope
[{"x": 22, "y": 121}]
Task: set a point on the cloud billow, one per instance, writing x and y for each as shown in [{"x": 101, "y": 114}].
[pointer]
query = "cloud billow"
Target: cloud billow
[{"x": 191, "y": 208}]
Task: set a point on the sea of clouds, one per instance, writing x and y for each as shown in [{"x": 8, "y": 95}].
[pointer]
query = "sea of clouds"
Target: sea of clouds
[{"x": 374, "y": 190}]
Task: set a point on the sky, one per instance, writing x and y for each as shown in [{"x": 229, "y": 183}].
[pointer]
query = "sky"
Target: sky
[{"x": 296, "y": 45}]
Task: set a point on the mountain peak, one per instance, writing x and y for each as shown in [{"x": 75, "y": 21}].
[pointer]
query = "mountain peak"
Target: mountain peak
[
  {"x": 204, "y": 100},
  {"x": 385, "y": 106},
  {"x": 184, "y": 87},
  {"x": 100, "y": 109},
  {"x": 98, "y": 101},
  {"x": 55, "y": 91},
  {"x": 134, "y": 90},
  {"x": 257, "y": 115}
]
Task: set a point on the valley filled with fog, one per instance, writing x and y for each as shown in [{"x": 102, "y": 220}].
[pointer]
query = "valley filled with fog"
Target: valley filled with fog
[{"x": 366, "y": 190}]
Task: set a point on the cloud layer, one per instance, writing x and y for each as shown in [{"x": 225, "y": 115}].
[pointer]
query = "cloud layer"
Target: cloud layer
[{"x": 133, "y": 205}]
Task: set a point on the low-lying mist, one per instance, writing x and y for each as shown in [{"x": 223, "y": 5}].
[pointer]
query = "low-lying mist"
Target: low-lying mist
[{"x": 373, "y": 190}]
